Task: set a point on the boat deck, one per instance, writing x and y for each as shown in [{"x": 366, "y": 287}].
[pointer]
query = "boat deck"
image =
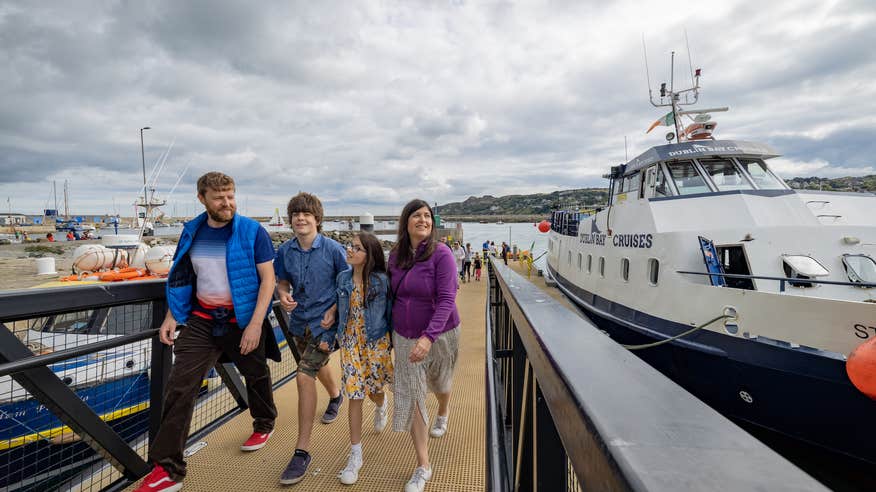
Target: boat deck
[{"x": 457, "y": 458}]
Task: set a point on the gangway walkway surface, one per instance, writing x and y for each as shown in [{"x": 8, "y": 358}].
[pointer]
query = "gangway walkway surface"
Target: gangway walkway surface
[{"x": 457, "y": 458}]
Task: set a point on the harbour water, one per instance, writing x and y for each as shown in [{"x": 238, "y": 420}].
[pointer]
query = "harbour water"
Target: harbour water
[{"x": 523, "y": 234}]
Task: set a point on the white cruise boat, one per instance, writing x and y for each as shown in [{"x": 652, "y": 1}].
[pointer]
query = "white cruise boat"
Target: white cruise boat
[{"x": 700, "y": 229}]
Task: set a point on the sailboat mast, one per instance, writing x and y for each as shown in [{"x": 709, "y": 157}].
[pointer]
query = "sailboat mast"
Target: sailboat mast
[{"x": 66, "y": 208}]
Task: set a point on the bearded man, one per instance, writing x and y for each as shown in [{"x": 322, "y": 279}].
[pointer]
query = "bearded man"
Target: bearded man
[{"x": 218, "y": 291}]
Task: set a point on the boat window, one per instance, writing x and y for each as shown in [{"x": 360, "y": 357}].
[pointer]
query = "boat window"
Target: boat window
[
  {"x": 602, "y": 266},
  {"x": 580, "y": 256},
  {"x": 687, "y": 178},
  {"x": 570, "y": 257},
  {"x": 129, "y": 319},
  {"x": 654, "y": 184},
  {"x": 725, "y": 175},
  {"x": 803, "y": 267},
  {"x": 763, "y": 178},
  {"x": 70, "y": 322},
  {"x": 733, "y": 260},
  {"x": 37, "y": 324},
  {"x": 632, "y": 184},
  {"x": 653, "y": 270},
  {"x": 625, "y": 269},
  {"x": 589, "y": 263},
  {"x": 661, "y": 187},
  {"x": 619, "y": 186},
  {"x": 860, "y": 268}
]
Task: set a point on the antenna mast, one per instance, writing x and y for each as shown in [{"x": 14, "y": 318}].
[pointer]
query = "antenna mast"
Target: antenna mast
[{"x": 675, "y": 99}]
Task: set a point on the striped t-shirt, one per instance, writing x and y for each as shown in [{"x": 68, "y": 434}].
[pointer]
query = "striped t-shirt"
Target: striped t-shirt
[{"x": 208, "y": 259}]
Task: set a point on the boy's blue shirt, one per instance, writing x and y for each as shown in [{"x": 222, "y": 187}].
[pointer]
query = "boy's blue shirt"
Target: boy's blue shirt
[{"x": 312, "y": 274}]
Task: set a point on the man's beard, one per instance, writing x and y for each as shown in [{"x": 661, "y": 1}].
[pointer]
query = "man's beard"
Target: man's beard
[{"x": 215, "y": 215}]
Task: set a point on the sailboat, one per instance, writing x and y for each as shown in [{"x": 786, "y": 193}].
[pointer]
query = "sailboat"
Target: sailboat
[
  {"x": 143, "y": 219},
  {"x": 276, "y": 219}
]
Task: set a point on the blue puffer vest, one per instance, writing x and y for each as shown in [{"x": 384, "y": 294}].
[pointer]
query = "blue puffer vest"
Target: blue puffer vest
[
  {"x": 378, "y": 314},
  {"x": 239, "y": 260}
]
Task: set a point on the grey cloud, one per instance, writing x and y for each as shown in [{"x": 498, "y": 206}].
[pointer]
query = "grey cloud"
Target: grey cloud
[
  {"x": 369, "y": 104},
  {"x": 854, "y": 148}
]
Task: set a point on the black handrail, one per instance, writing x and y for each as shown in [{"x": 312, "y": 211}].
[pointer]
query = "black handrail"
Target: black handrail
[
  {"x": 791, "y": 281},
  {"x": 497, "y": 469},
  {"x": 61, "y": 355},
  {"x": 18, "y": 305},
  {"x": 582, "y": 413}
]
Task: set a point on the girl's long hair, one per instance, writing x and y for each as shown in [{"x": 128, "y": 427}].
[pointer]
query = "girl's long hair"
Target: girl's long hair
[
  {"x": 404, "y": 256},
  {"x": 374, "y": 261}
]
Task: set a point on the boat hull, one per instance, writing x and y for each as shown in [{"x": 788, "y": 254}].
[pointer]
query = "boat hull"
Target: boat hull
[{"x": 799, "y": 392}]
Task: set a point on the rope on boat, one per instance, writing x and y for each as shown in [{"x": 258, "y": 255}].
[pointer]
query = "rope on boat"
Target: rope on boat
[{"x": 676, "y": 337}]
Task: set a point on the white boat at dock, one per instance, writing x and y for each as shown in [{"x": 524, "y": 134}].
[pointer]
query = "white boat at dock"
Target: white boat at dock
[{"x": 702, "y": 230}]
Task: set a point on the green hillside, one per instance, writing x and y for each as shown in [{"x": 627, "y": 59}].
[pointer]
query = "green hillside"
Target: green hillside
[
  {"x": 542, "y": 203},
  {"x": 848, "y": 183},
  {"x": 537, "y": 204}
]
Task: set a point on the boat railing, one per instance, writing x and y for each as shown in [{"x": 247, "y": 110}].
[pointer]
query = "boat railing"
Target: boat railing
[
  {"x": 566, "y": 222},
  {"x": 82, "y": 382},
  {"x": 569, "y": 409},
  {"x": 782, "y": 280}
]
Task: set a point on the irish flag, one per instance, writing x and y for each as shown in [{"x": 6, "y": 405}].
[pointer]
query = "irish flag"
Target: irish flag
[{"x": 667, "y": 120}]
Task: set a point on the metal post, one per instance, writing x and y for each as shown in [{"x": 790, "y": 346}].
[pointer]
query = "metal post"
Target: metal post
[
  {"x": 159, "y": 372},
  {"x": 549, "y": 459},
  {"x": 143, "y": 159},
  {"x": 233, "y": 383},
  {"x": 524, "y": 433},
  {"x": 283, "y": 320}
]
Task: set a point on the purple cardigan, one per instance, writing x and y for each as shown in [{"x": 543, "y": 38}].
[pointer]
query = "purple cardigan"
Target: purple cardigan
[{"x": 425, "y": 299}]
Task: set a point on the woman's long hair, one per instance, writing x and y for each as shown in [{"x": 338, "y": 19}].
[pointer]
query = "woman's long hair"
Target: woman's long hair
[
  {"x": 404, "y": 256},
  {"x": 374, "y": 261}
]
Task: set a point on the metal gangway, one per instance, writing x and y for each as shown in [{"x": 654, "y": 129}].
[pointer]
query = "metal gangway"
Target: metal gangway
[{"x": 542, "y": 400}]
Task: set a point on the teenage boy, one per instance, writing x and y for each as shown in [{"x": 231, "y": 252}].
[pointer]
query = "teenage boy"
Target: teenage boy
[
  {"x": 306, "y": 267},
  {"x": 218, "y": 291}
]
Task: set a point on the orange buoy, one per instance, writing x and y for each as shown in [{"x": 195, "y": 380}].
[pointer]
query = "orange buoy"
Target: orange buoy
[
  {"x": 123, "y": 274},
  {"x": 544, "y": 226},
  {"x": 861, "y": 368}
]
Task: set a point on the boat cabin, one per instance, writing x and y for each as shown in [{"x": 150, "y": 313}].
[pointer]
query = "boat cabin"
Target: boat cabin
[{"x": 695, "y": 168}]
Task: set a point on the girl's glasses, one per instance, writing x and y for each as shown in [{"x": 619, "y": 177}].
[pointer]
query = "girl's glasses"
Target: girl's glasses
[{"x": 354, "y": 248}]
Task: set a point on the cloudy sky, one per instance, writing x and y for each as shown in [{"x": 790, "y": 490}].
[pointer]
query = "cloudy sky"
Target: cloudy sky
[{"x": 371, "y": 103}]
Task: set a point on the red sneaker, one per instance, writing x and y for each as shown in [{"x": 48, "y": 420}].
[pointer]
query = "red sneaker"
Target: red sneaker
[
  {"x": 256, "y": 441},
  {"x": 158, "y": 481}
]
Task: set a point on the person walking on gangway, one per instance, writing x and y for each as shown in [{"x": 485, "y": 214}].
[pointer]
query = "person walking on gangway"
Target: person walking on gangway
[
  {"x": 307, "y": 268},
  {"x": 219, "y": 290},
  {"x": 364, "y": 310},
  {"x": 425, "y": 322}
]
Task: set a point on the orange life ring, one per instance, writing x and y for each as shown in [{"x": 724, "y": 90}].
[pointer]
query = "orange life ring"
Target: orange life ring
[{"x": 700, "y": 131}]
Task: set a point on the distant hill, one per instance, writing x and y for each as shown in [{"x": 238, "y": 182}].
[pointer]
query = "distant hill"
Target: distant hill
[
  {"x": 542, "y": 203},
  {"x": 537, "y": 204},
  {"x": 848, "y": 183}
]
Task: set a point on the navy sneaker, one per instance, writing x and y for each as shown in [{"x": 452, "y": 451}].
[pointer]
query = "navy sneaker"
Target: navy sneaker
[
  {"x": 331, "y": 411},
  {"x": 296, "y": 469}
]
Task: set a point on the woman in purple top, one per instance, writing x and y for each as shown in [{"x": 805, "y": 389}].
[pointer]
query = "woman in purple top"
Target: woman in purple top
[{"x": 425, "y": 322}]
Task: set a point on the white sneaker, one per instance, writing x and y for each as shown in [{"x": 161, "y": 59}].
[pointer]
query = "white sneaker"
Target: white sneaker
[
  {"x": 418, "y": 480},
  {"x": 380, "y": 418},
  {"x": 350, "y": 474},
  {"x": 439, "y": 428}
]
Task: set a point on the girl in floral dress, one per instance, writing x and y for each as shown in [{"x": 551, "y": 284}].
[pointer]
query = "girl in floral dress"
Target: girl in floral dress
[{"x": 364, "y": 310}]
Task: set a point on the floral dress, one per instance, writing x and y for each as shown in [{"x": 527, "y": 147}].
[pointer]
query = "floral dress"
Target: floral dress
[{"x": 367, "y": 366}]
